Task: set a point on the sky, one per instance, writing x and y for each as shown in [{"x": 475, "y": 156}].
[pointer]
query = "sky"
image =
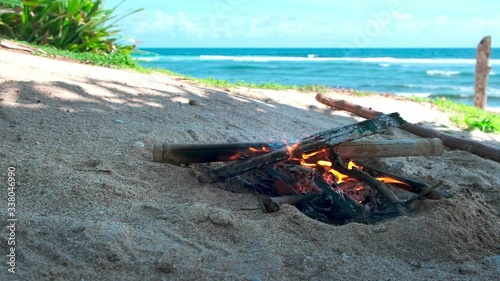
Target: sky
[{"x": 310, "y": 23}]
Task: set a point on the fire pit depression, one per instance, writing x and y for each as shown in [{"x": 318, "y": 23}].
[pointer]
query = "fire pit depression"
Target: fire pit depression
[{"x": 317, "y": 174}]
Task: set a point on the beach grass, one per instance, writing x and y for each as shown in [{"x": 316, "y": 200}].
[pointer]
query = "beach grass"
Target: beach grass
[
  {"x": 362, "y": 93},
  {"x": 114, "y": 60},
  {"x": 225, "y": 84},
  {"x": 464, "y": 116}
]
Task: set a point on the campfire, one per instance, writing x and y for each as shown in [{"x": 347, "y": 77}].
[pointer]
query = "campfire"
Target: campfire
[{"x": 318, "y": 174}]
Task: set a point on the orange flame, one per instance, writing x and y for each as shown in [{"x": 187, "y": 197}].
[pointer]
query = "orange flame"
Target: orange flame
[
  {"x": 263, "y": 149},
  {"x": 340, "y": 177},
  {"x": 352, "y": 164},
  {"x": 309, "y": 155},
  {"x": 327, "y": 165},
  {"x": 291, "y": 149},
  {"x": 391, "y": 180},
  {"x": 305, "y": 164}
]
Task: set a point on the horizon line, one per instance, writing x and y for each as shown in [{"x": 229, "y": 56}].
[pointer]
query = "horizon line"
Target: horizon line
[{"x": 157, "y": 47}]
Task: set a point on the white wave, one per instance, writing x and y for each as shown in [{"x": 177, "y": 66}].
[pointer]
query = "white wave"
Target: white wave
[
  {"x": 312, "y": 56},
  {"x": 261, "y": 58},
  {"x": 147, "y": 59},
  {"x": 420, "y": 95},
  {"x": 384, "y": 64},
  {"x": 493, "y": 92},
  {"x": 444, "y": 73},
  {"x": 464, "y": 91},
  {"x": 380, "y": 60},
  {"x": 492, "y": 73},
  {"x": 460, "y": 89}
]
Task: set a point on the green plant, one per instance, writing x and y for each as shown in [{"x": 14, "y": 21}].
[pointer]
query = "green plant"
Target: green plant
[
  {"x": 8, "y": 7},
  {"x": 313, "y": 88},
  {"x": 466, "y": 116},
  {"x": 76, "y": 25},
  {"x": 212, "y": 82},
  {"x": 362, "y": 94},
  {"x": 14, "y": 3},
  {"x": 115, "y": 60}
]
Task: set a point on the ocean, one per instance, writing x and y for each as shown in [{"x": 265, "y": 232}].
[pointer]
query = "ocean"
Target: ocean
[{"x": 421, "y": 72}]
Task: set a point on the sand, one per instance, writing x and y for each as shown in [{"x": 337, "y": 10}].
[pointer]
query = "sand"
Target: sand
[{"x": 65, "y": 124}]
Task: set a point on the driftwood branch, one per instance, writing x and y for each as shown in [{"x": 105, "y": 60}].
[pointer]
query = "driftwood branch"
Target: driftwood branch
[
  {"x": 471, "y": 146},
  {"x": 314, "y": 142}
]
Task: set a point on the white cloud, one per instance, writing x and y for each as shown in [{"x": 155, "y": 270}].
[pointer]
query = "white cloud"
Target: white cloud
[
  {"x": 441, "y": 20},
  {"x": 159, "y": 21},
  {"x": 485, "y": 23},
  {"x": 401, "y": 16},
  {"x": 270, "y": 26}
]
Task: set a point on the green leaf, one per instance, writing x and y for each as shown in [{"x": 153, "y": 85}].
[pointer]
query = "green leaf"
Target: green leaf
[{"x": 12, "y": 3}]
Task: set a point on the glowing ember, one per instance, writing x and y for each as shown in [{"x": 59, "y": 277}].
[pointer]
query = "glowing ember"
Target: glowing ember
[
  {"x": 237, "y": 156},
  {"x": 305, "y": 164}
]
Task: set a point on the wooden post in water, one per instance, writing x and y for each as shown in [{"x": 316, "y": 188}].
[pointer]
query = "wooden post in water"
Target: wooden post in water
[{"x": 482, "y": 70}]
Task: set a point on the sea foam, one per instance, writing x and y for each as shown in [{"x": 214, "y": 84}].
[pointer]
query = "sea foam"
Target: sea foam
[
  {"x": 444, "y": 73},
  {"x": 379, "y": 60}
]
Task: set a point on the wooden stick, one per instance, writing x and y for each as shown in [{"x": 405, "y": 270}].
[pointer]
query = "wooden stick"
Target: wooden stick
[
  {"x": 364, "y": 149},
  {"x": 416, "y": 186},
  {"x": 372, "y": 182},
  {"x": 381, "y": 188},
  {"x": 177, "y": 154},
  {"x": 425, "y": 192},
  {"x": 471, "y": 146},
  {"x": 482, "y": 70},
  {"x": 317, "y": 141}
]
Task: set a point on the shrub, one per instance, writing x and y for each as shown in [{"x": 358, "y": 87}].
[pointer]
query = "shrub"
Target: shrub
[{"x": 75, "y": 25}]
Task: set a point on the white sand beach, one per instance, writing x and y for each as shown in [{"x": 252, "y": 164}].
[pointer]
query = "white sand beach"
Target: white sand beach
[{"x": 92, "y": 205}]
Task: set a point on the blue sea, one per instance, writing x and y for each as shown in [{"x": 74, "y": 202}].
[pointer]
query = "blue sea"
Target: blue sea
[{"x": 421, "y": 72}]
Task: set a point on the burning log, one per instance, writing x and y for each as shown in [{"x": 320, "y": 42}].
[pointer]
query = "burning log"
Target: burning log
[
  {"x": 381, "y": 188},
  {"x": 320, "y": 140},
  {"x": 412, "y": 185},
  {"x": 350, "y": 207},
  {"x": 371, "y": 181},
  {"x": 177, "y": 154},
  {"x": 471, "y": 146}
]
